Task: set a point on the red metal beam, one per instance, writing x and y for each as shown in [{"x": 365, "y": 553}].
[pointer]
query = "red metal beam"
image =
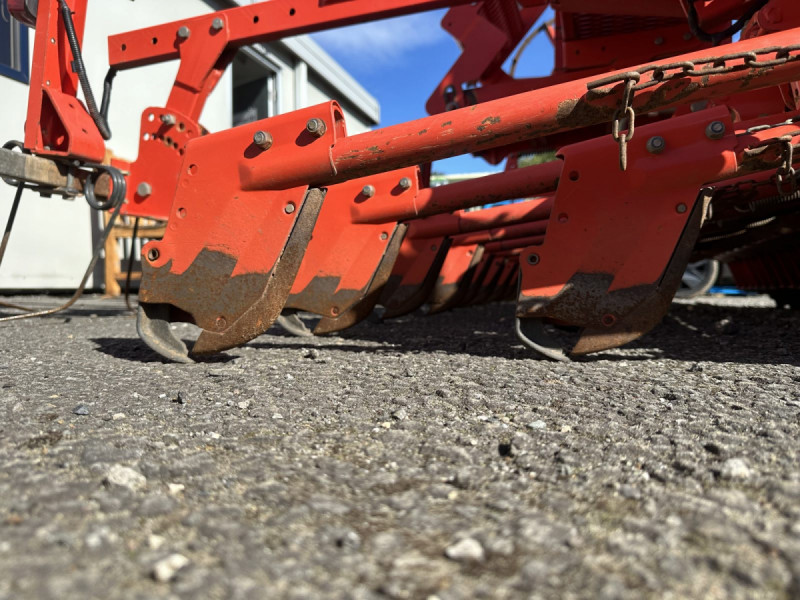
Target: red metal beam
[
  {"x": 261, "y": 22},
  {"x": 527, "y": 182}
]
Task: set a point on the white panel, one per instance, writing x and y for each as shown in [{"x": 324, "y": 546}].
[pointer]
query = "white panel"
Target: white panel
[{"x": 51, "y": 243}]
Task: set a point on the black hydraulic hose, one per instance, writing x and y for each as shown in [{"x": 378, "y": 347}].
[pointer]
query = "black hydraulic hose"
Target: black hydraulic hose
[
  {"x": 79, "y": 68},
  {"x": 716, "y": 38},
  {"x": 108, "y": 82}
]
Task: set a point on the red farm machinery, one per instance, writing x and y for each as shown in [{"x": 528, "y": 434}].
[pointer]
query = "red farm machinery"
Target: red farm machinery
[{"x": 673, "y": 126}]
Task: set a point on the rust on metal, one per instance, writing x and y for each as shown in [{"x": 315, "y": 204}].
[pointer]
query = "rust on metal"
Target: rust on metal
[
  {"x": 230, "y": 309},
  {"x": 362, "y": 309}
]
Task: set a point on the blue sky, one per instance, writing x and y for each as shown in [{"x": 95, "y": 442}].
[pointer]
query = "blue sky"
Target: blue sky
[{"x": 400, "y": 61}]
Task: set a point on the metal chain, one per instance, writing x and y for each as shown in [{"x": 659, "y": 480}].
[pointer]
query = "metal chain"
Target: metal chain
[
  {"x": 625, "y": 111},
  {"x": 697, "y": 68}
]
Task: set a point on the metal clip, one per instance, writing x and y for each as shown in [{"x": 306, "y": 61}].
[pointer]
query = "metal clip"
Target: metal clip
[{"x": 625, "y": 111}]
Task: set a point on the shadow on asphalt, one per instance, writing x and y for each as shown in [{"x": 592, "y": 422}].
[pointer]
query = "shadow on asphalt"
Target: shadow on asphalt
[
  {"x": 135, "y": 350},
  {"x": 701, "y": 332}
]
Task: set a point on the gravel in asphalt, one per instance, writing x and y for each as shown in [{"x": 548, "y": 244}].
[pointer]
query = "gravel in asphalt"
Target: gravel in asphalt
[{"x": 420, "y": 458}]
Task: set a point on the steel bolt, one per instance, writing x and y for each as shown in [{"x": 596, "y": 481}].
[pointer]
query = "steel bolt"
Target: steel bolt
[
  {"x": 289, "y": 208},
  {"x": 715, "y": 130},
  {"x": 405, "y": 183},
  {"x": 262, "y": 139},
  {"x": 681, "y": 208},
  {"x": 217, "y": 24},
  {"x": 168, "y": 119},
  {"x": 368, "y": 190},
  {"x": 658, "y": 41},
  {"x": 144, "y": 189},
  {"x": 184, "y": 32},
  {"x": 384, "y": 236},
  {"x": 533, "y": 259},
  {"x": 153, "y": 254},
  {"x": 656, "y": 144},
  {"x": 316, "y": 127}
]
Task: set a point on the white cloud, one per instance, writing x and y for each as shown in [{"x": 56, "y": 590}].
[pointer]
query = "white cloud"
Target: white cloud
[{"x": 380, "y": 42}]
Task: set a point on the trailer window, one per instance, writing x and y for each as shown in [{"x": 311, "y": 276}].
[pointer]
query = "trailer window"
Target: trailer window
[{"x": 13, "y": 46}]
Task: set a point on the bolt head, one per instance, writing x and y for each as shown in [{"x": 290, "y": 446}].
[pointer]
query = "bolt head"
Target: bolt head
[
  {"x": 533, "y": 259},
  {"x": 263, "y": 139},
  {"x": 656, "y": 144},
  {"x": 658, "y": 41},
  {"x": 405, "y": 183},
  {"x": 289, "y": 208},
  {"x": 144, "y": 189},
  {"x": 168, "y": 119},
  {"x": 715, "y": 130},
  {"x": 217, "y": 24},
  {"x": 384, "y": 236},
  {"x": 681, "y": 208},
  {"x": 316, "y": 127},
  {"x": 184, "y": 32},
  {"x": 368, "y": 190}
]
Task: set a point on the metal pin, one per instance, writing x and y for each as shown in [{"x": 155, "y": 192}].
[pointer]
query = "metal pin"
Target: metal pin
[
  {"x": 144, "y": 189},
  {"x": 368, "y": 190}
]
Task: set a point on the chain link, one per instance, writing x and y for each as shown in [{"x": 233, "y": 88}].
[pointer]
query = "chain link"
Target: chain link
[
  {"x": 786, "y": 171},
  {"x": 667, "y": 72}
]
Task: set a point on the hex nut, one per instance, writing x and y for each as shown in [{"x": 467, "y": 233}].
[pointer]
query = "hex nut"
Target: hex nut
[
  {"x": 405, "y": 183},
  {"x": 217, "y": 24},
  {"x": 656, "y": 144},
  {"x": 263, "y": 139},
  {"x": 316, "y": 127},
  {"x": 715, "y": 130}
]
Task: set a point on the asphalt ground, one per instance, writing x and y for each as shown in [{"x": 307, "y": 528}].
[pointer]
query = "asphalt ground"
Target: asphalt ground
[{"x": 428, "y": 457}]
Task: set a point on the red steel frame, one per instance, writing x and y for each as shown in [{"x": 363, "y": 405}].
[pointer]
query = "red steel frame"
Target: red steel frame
[{"x": 241, "y": 214}]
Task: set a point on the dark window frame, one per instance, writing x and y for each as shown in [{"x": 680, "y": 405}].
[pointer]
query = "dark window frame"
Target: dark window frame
[{"x": 20, "y": 71}]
